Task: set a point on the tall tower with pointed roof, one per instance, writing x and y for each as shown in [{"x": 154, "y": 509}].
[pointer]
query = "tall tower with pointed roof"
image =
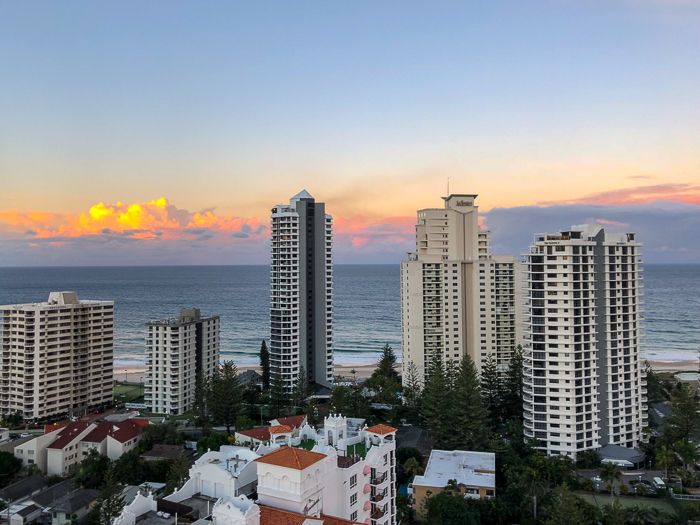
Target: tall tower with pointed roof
[{"x": 301, "y": 291}]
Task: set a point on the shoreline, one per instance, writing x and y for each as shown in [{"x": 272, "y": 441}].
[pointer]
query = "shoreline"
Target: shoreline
[{"x": 364, "y": 370}]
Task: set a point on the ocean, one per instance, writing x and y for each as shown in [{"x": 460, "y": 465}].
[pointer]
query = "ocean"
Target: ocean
[{"x": 366, "y": 300}]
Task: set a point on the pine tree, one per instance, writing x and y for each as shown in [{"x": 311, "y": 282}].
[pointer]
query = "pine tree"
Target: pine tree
[
  {"x": 513, "y": 388},
  {"x": 111, "y": 501},
  {"x": 226, "y": 395},
  {"x": 565, "y": 509},
  {"x": 178, "y": 474},
  {"x": 436, "y": 405},
  {"x": 471, "y": 426},
  {"x": 386, "y": 367},
  {"x": 412, "y": 391},
  {"x": 265, "y": 366},
  {"x": 684, "y": 420},
  {"x": 302, "y": 390},
  {"x": 278, "y": 393},
  {"x": 491, "y": 390},
  {"x": 201, "y": 390}
]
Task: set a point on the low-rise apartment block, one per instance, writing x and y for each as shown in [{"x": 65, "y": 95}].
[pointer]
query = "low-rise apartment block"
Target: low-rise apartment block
[
  {"x": 61, "y": 447},
  {"x": 474, "y": 473},
  {"x": 57, "y": 356}
]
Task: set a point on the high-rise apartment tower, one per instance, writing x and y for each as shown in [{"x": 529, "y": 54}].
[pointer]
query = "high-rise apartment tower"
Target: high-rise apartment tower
[
  {"x": 57, "y": 356},
  {"x": 301, "y": 291},
  {"x": 456, "y": 297},
  {"x": 584, "y": 384},
  {"x": 177, "y": 349}
]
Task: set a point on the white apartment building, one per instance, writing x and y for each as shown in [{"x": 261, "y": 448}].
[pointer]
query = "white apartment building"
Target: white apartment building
[
  {"x": 176, "y": 350},
  {"x": 456, "y": 297},
  {"x": 301, "y": 291},
  {"x": 584, "y": 384},
  {"x": 57, "y": 356}
]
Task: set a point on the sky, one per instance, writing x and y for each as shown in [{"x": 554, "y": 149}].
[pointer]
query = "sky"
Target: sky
[{"x": 164, "y": 132}]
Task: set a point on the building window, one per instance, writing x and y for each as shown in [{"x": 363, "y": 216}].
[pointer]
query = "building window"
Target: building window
[
  {"x": 353, "y": 499},
  {"x": 353, "y": 481},
  {"x": 353, "y": 516}
]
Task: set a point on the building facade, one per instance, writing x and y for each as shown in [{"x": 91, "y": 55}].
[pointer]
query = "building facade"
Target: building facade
[
  {"x": 57, "y": 356},
  {"x": 584, "y": 382},
  {"x": 301, "y": 291},
  {"x": 456, "y": 297},
  {"x": 177, "y": 349}
]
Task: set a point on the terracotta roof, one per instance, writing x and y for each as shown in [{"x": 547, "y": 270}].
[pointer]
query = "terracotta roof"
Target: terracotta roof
[
  {"x": 51, "y": 428},
  {"x": 142, "y": 422},
  {"x": 122, "y": 431},
  {"x": 261, "y": 434},
  {"x": 281, "y": 429},
  {"x": 290, "y": 457},
  {"x": 381, "y": 429},
  {"x": 272, "y": 516},
  {"x": 69, "y": 433},
  {"x": 294, "y": 421}
]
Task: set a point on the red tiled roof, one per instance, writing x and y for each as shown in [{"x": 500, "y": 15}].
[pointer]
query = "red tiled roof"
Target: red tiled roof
[
  {"x": 294, "y": 421},
  {"x": 381, "y": 429},
  {"x": 122, "y": 431},
  {"x": 69, "y": 433},
  {"x": 142, "y": 422},
  {"x": 290, "y": 457},
  {"x": 272, "y": 516},
  {"x": 261, "y": 434},
  {"x": 281, "y": 429},
  {"x": 51, "y": 428}
]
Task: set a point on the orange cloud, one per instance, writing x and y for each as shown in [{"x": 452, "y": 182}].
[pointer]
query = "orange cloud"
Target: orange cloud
[
  {"x": 149, "y": 221},
  {"x": 687, "y": 193},
  {"x": 362, "y": 231}
]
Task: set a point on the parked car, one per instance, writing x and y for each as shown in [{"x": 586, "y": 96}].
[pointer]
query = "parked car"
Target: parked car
[
  {"x": 597, "y": 479},
  {"x": 25, "y": 435}
]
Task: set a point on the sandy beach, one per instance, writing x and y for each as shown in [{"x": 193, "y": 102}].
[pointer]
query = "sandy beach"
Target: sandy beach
[
  {"x": 365, "y": 369},
  {"x": 135, "y": 373}
]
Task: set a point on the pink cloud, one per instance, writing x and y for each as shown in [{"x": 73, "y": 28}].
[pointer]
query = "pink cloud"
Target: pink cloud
[{"x": 687, "y": 193}]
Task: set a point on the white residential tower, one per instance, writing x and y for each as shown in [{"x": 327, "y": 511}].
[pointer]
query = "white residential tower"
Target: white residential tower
[
  {"x": 301, "y": 291},
  {"x": 456, "y": 297},
  {"x": 584, "y": 384},
  {"x": 177, "y": 349}
]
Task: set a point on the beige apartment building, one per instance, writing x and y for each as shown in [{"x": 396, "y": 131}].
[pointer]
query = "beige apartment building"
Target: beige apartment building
[
  {"x": 458, "y": 298},
  {"x": 57, "y": 356},
  {"x": 474, "y": 473},
  {"x": 176, "y": 350}
]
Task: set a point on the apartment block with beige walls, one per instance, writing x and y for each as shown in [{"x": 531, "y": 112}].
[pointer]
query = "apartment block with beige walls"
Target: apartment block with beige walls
[
  {"x": 474, "y": 473},
  {"x": 57, "y": 356},
  {"x": 457, "y": 298}
]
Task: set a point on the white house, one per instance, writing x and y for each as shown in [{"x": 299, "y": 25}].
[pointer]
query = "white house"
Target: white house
[{"x": 54, "y": 451}]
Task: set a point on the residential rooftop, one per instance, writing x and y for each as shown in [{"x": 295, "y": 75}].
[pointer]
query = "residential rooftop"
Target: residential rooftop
[{"x": 473, "y": 469}]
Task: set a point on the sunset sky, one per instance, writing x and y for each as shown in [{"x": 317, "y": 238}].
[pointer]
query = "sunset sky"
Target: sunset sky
[{"x": 164, "y": 132}]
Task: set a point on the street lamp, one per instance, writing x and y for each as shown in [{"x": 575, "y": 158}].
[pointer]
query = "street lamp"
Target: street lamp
[
  {"x": 143, "y": 386},
  {"x": 126, "y": 376}
]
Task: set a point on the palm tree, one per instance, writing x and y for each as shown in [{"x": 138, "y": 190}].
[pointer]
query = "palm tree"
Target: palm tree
[
  {"x": 412, "y": 467},
  {"x": 640, "y": 515},
  {"x": 610, "y": 474},
  {"x": 536, "y": 485},
  {"x": 687, "y": 452},
  {"x": 665, "y": 458},
  {"x": 640, "y": 489}
]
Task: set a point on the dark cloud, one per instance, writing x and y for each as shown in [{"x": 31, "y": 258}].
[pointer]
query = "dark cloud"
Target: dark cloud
[
  {"x": 30, "y": 232},
  {"x": 197, "y": 231},
  {"x": 669, "y": 230},
  {"x": 240, "y": 235}
]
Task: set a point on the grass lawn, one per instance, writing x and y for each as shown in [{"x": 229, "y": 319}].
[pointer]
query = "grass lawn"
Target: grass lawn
[
  {"x": 600, "y": 499},
  {"x": 130, "y": 392},
  {"x": 358, "y": 449},
  {"x": 307, "y": 444}
]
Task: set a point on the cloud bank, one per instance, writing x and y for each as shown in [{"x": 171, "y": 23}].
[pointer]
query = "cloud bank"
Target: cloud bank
[{"x": 158, "y": 232}]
